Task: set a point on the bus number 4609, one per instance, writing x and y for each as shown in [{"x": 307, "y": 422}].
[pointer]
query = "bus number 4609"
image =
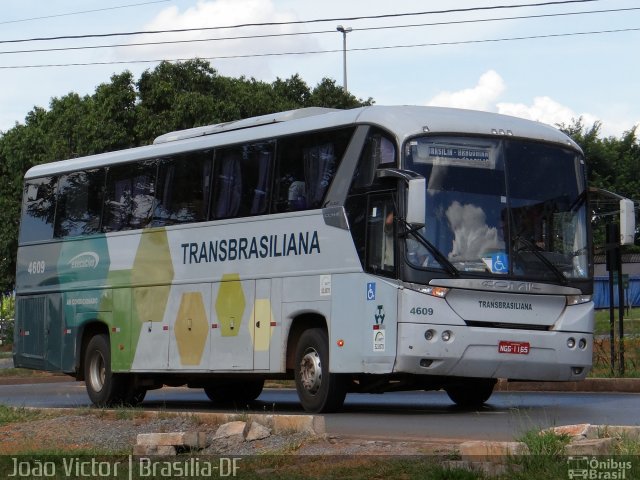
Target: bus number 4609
[{"x": 36, "y": 267}]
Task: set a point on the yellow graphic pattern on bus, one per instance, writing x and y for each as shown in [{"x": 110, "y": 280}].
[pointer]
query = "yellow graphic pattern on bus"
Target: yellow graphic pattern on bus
[
  {"x": 152, "y": 265},
  {"x": 191, "y": 328},
  {"x": 230, "y": 305},
  {"x": 262, "y": 319}
]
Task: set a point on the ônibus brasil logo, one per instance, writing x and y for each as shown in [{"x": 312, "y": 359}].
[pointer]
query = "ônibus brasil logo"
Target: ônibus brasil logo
[{"x": 85, "y": 260}]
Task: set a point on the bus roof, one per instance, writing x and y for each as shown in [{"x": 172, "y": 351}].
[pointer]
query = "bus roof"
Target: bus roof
[{"x": 402, "y": 121}]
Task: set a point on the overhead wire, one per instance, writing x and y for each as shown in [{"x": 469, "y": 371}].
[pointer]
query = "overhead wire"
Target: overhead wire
[
  {"x": 277, "y": 54},
  {"x": 300, "y": 22},
  {"x": 82, "y": 12},
  {"x": 316, "y": 32}
]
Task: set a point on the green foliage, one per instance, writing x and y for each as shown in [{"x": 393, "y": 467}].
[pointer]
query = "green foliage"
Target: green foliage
[
  {"x": 17, "y": 415},
  {"x": 126, "y": 112},
  {"x": 613, "y": 164},
  {"x": 546, "y": 458}
]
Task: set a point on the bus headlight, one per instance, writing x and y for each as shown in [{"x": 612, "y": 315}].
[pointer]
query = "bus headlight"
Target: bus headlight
[
  {"x": 446, "y": 335},
  {"x": 571, "y": 342},
  {"x": 578, "y": 299}
]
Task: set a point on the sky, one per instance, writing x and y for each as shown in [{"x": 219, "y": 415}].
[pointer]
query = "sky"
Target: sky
[{"x": 551, "y": 66}]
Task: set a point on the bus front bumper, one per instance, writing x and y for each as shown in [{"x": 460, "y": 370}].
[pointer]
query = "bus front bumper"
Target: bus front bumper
[{"x": 462, "y": 351}]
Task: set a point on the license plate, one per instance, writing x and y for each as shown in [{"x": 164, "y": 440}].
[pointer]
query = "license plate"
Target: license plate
[{"x": 518, "y": 348}]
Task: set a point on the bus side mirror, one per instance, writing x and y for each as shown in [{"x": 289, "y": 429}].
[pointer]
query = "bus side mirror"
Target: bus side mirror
[
  {"x": 415, "y": 201},
  {"x": 627, "y": 222},
  {"x": 416, "y": 188}
]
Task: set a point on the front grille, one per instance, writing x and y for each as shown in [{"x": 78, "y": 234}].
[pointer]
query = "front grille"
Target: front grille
[{"x": 509, "y": 326}]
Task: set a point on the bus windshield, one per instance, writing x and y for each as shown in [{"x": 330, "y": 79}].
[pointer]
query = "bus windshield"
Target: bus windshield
[{"x": 504, "y": 207}]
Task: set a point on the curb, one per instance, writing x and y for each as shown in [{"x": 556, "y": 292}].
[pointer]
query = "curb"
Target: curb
[
  {"x": 602, "y": 385},
  {"x": 279, "y": 424}
]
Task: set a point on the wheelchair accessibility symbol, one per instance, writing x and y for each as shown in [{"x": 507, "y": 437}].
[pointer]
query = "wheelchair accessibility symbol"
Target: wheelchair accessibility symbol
[
  {"x": 500, "y": 263},
  {"x": 371, "y": 291}
]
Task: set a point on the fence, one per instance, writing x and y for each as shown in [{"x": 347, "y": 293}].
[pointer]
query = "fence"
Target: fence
[{"x": 601, "y": 292}]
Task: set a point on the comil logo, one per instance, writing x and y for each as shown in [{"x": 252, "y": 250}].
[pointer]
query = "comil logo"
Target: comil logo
[{"x": 85, "y": 260}]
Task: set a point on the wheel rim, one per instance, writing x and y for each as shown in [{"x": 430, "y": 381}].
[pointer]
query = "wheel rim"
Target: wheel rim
[
  {"x": 311, "y": 371},
  {"x": 97, "y": 372}
]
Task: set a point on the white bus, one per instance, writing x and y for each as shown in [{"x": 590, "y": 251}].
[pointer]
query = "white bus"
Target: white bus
[{"x": 367, "y": 250}]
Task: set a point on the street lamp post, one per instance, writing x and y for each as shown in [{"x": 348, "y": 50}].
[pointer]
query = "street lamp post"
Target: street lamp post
[{"x": 344, "y": 31}]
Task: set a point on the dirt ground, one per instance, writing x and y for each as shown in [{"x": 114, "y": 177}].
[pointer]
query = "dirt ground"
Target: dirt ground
[{"x": 115, "y": 432}]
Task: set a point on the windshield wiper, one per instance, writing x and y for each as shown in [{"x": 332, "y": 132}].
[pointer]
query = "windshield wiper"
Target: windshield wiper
[
  {"x": 533, "y": 248},
  {"x": 431, "y": 248}
]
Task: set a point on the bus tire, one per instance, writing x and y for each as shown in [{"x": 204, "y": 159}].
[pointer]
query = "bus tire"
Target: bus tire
[
  {"x": 473, "y": 392},
  {"x": 235, "y": 390},
  {"x": 318, "y": 390},
  {"x": 103, "y": 387}
]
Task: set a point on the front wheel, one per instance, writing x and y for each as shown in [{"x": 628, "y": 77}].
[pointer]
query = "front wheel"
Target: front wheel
[
  {"x": 471, "y": 392},
  {"x": 103, "y": 387},
  {"x": 318, "y": 389}
]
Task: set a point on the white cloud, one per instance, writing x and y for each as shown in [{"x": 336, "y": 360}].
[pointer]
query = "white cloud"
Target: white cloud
[
  {"x": 545, "y": 110},
  {"x": 215, "y": 13},
  {"x": 485, "y": 95},
  {"x": 481, "y": 97}
]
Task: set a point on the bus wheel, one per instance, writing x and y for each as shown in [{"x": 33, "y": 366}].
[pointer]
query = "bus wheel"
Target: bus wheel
[
  {"x": 318, "y": 389},
  {"x": 104, "y": 388},
  {"x": 473, "y": 392},
  {"x": 236, "y": 390}
]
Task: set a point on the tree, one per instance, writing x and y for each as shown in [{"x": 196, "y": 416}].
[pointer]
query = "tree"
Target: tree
[
  {"x": 328, "y": 94},
  {"x": 125, "y": 112}
]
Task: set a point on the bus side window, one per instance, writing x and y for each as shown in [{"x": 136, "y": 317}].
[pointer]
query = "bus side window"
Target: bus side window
[
  {"x": 38, "y": 209},
  {"x": 257, "y": 161},
  {"x": 306, "y": 166},
  {"x": 381, "y": 235},
  {"x": 182, "y": 194},
  {"x": 129, "y": 196},
  {"x": 79, "y": 203},
  {"x": 227, "y": 183},
  {"x": 379, "y": 151},
  {"x": 242, "y": 180}
]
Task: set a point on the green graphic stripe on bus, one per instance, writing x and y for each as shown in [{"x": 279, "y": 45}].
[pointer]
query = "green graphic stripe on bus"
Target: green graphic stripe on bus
[
  {"x": 84, "y": 261},
  {"x": 152, "y": 266}
]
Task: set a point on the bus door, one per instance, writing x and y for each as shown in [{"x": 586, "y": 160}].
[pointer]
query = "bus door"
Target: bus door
[
  {"x": 187, "y": 312},
  {"x": 39, "y": 332},
  {"x": 148, "y": 307},
  {"x": 263, "y": 321},
  {"x": 232, "y": 329}
]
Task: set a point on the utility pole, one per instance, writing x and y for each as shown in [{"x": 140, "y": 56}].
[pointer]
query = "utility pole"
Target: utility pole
[{"x": 344, "y": 31}]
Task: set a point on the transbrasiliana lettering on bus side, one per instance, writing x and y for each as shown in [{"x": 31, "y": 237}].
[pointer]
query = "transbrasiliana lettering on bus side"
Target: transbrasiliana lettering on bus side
[{"x": 251, "y": 248}]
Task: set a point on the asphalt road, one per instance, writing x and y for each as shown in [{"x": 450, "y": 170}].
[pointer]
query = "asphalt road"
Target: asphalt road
[{"x": 406, "y": 415}]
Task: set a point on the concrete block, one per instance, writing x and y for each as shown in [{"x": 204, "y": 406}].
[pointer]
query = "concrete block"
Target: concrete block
[
  {"x": 149, "y": 450},
  {"x": 257, "y": 432},
  {"x": 177, "y": 439},
  {"x": 576, "y": 432},
  {"x": 231, "y": 429},
  {"x": 589, "y": 446},
  {"x": 618, "y": 431},
  {"x": 299, "y": 423},
  {"x": 480, "y": 450}
]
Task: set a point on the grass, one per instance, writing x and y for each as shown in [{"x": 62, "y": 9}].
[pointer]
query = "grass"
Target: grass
[
  {"x": 18, "y": 415},
  {"x": 547, "y": 459},
  {"x": 631, "y": 322}
]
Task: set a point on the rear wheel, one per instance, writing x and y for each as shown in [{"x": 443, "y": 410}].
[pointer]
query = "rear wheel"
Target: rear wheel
[
  {"x": 103, "y": 387},
  {"x": 472, "y": 392},
  {"x": 235, "y": 390},
  {"x": 318, "y": 389}
]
